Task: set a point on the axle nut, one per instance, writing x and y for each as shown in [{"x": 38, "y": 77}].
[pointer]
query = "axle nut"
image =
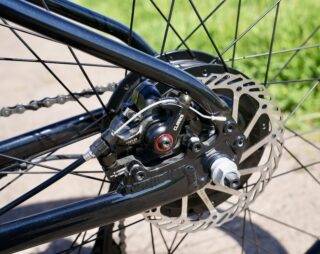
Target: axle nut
[{"x": 225, "y": 172}]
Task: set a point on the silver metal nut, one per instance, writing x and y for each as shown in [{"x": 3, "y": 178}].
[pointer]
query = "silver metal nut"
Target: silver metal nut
[{"x": 225, "y": 172}]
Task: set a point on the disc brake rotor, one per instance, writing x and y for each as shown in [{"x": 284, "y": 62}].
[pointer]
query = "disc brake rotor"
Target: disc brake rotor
[{"x": 258, "y": 116}]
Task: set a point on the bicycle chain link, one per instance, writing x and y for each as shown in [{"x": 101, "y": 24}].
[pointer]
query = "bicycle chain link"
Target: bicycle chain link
[{"x": 48, "y": 102}]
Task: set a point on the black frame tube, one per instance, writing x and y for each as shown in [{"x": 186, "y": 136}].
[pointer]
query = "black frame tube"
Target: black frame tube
[
  {"x": 87, "y": 214},
  {"x": 53, "y": 136},
  {"x": 97, "y": 21}
]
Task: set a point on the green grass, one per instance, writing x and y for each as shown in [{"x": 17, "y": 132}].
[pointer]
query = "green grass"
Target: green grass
[{"x": 297, "y": 19}]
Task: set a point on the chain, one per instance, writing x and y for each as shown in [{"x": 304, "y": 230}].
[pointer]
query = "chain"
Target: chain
[{"x": 47, "y": 102}]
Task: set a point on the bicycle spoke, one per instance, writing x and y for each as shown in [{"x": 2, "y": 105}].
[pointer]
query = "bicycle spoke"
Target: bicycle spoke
[
  {"x": 198, "y": 26},
  {"x": 133, "y": 8},
  {"x": 271, "y": 43},
  {"x": 41, "y": 186},
  {"x": 301, "y": 164},
  {"x": 11, "y": 181},
  {"x": 167, "y": 28},
  {"x": 296, "y": 52},
  {"x": 253, "y": 231},
  {"x": 179, "y": 243},
  {"x": 87, "y": 78},
  {"x": 172, "y": 27},
  {"x": 243, "y": 231},
  {"x": 208, "y": 34},
  {"x": 80, "y": 66},
  {"x": 296, "y": 169},
  {"x": 75, "y": 240},
  {"x": 77, "y": 246},
  {"x": 285, "y": 224},
  {"x": 44, "y": 4},
  {"x": 173, "y": 241},
  {"x": 236, "y": 32},
  {"x": 48, "y": 69},
  {"x": 47, "y": 167},
  {"x": 90, "y": 240},
  {"x": 276, "y": 52},
  {"x": 51, "y": 157},
  {"x": 85, "y": 232},
  {"x": 25, "y": 60},
  {"x": 152, "y": 239},
  {"x": 247, "y": 239},
  {"x": 20, "y": 174},
  {"x": 303, "y": 138},
  {"x": 82, "y": 241},
  {"x": 49, "y": 173},
  {"x": 28, "y": 32},
  {"x": 301, "y": 101},
  {"x": 292, "y": 81},
  {"x": 250, "y": 27},
  {"x": 164, "y": 240},
  {"x": 301, "y": 134}
]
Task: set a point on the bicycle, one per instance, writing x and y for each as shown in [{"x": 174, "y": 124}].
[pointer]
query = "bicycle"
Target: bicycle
[{"x": 185, "y": 139}]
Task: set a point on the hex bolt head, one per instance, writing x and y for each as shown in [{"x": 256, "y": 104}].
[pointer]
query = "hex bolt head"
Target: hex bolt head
[
  {"x": 240, "y": 141},
  {"x": 138, "y": 172},
  {"x": 194, "y": 144},
  {"x": 229, "y": 127},
  {"x": 140, "y": 175}
]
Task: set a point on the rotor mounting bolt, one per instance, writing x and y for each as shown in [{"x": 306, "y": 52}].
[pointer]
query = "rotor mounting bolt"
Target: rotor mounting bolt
[
  {"x": 239, "y": 142},
  {"x": 229, "y": 127},
  {"x": 164, "y": 143},
  {"x": 225, "y": 172}
]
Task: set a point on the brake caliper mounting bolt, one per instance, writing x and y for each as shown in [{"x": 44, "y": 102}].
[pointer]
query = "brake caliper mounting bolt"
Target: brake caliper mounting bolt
[
  {"x": 194, "y": 144},
  {"x": 138, "y": 172}
]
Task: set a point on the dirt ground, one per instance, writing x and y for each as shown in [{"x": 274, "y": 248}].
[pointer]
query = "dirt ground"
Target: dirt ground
[{"x": 292, "y": 199}]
